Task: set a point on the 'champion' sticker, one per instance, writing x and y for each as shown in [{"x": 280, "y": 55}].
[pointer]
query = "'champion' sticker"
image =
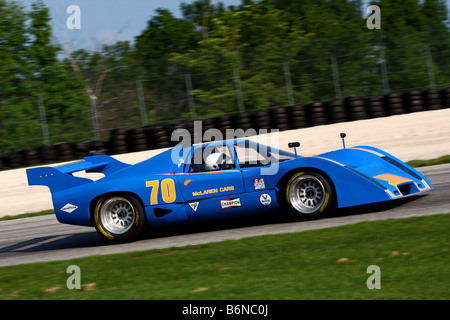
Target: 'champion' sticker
[{"x": 229, "y": 203}]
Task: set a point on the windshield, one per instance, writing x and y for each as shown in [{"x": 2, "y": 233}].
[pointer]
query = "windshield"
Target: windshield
[{"x": 252, "y": 154}]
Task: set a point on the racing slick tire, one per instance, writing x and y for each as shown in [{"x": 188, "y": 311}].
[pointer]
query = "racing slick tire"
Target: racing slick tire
[
  {"x": 308, "y": 195},
  {"x": 119, "y": 218}
]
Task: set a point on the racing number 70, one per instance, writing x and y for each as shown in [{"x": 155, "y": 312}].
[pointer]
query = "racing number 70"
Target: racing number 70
[{"x": 167, "y": 190}]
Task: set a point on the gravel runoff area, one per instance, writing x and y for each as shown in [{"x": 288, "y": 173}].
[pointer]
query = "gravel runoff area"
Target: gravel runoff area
[{"x": 420, "y": 135}]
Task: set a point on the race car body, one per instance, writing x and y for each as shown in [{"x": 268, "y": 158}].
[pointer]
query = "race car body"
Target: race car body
[{"x": 220, "y": 180}]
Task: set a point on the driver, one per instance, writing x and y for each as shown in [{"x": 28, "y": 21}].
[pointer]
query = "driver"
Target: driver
[{"x": 217, "y": 161}]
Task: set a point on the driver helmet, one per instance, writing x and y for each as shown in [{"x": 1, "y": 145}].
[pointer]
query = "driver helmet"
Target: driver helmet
[{"x": 213, "y": 161}]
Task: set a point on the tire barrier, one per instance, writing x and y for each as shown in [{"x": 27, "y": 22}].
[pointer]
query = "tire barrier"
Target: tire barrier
[
  {"x": 297, "y": 117},
  {"x": 316, "y": 114},
  {"x": 60, "y": 152},
  {"x": 445, "y": 95},
  {"x": 356, "y": 108},
  {"x": 394, "y": 104},
  {"x": 433, "y": 99},
  {"x": 157, "y": 136},
  {"x": 136, "y": 140},
  {"x": 117, "y": 144},
  {"x": 376, "y": 107},
  {"x": 262, "y": 120},
  {"x": 30, "y": 156},
  {"x": 284, "y": 118},
  {"x": 280, "y": 118},
  {"x": 414, "y": 101},
  {"x": 337, "y": 111},
  {"x": 240, "y": 120},
  {"x": 11, "y": 159}
]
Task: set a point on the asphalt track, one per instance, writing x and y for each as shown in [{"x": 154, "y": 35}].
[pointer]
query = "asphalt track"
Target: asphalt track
[{"x": 43, "y": 238}]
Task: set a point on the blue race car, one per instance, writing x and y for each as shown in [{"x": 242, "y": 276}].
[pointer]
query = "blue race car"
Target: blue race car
[{"x": 219, "y": 180}]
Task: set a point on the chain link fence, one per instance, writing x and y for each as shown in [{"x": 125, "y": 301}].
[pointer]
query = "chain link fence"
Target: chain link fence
[{"x": 293, "y": 86}]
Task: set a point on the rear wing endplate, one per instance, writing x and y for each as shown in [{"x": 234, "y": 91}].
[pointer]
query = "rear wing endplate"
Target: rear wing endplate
[{"x": 61, "y": 178}]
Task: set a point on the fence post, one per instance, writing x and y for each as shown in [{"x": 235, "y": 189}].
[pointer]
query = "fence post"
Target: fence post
[
  {"x": 93, "y": 105},
  {"x": 287, "y": 78},
  {"x": 237, "y": 82},
  {"x": 430, "y": 67},
  {"x": 384, "y": 73},
  {"x": 43, "y": 117},
  {"x": 191, "y": 101},
  {"x": 337, "y": 84},
  {"x": 140, "y": 93}
]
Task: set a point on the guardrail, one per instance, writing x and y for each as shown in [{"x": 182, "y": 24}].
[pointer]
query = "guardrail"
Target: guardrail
[{"x": 283, "y": 118}]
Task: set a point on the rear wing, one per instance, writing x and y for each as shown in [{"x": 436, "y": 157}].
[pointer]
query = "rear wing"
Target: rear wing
[{"x": 61, "y": 178}]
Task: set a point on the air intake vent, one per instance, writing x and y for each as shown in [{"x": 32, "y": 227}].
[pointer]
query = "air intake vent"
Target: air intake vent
[
  {"x": 158, "y": 212},
  {"x": 405, "y": 189}
]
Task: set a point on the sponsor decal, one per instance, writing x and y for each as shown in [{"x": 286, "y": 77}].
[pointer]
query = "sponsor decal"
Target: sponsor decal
[
  {"x": 69, "y": 208},
  {"x": 259, "y": 184},
  {"x": 194, "y": 206},
  {"x": 211, "y": 191},
  {"x": 265, "y": 199},
  {"x": 225, "y": 189},
  {"x": 228, "y": 203},
  {"x": 205, "y": 192}
]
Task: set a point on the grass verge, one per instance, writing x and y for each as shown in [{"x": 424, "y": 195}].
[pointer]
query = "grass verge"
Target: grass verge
[
  {"x": 430, "y": 162},
  {"x": 27, "y": 215},
  {"x": 412, "y": 254}
]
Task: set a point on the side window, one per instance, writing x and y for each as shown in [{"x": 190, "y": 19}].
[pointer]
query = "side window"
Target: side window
[
  {"x": 250, "y": 154},
  {"x": 212, "y": 158}
]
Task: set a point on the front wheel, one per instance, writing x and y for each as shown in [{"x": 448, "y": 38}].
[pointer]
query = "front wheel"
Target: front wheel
[
  {"x": 119, "y": 218},
  {"x": 308, "y": 195}
]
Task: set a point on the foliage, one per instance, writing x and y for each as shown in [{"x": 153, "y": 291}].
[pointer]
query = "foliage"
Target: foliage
[
  {"x": 30, "y": 72},
  {"x": 234, "y": 58}
]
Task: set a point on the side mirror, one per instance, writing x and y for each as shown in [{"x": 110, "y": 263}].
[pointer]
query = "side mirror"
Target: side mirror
[
  {"x": 294, "y": 145},
  {"x": 343, "y": 135}
]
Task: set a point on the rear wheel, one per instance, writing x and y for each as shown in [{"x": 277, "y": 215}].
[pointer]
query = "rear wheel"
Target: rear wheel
[
  {"x": 308, "y": 195},
  {"x": 119, "y": 218}
]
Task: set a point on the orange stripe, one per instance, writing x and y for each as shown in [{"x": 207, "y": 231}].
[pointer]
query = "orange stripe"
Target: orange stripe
[
  {"x": 393, "y": 179},
  {"x": 371, "y": 151}
]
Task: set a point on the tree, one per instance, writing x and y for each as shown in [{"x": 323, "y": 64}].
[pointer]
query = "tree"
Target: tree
[
  {"x": 15, "y": 70},
  {"x": 409, "y": 28},
  {"x": 201, "y": 14},
  {"x": 13, "y": 38},
  {"x": 164, "y": 35},
  {"x": 435, "y": 15},
  {"x": 34, "y": 81}
]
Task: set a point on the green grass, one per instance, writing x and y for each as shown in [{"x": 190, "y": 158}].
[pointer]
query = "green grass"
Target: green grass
[
  {"x": 431, "y": 162},
  {"x": 413, "y": 255},
  {"x": 27, "y": 215}
]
